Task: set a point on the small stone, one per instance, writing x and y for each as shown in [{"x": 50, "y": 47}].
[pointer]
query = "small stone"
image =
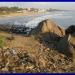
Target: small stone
[
  {"x": 5, "y": 47},
  {"x": 5, "y": 69},
  {"x": 30, "y": 67}
]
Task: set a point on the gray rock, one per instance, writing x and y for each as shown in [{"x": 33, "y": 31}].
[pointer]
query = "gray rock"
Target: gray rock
[{"x": 66, "y": 45}]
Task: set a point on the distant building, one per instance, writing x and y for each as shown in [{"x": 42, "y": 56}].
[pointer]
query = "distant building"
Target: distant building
[
  {"x": 32, "y": 10},
  {"x": 24, "y": 10},
  {"x": 42, "y": 10},
  {"x": 19, "y": 11}
]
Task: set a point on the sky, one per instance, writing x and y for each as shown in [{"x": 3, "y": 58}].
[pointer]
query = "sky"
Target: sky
[{"x": 55, "y": 5}]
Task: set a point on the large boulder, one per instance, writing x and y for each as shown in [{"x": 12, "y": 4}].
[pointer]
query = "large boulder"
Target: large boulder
[
  {"x": 71, "y": 40},
  {"x": 70, "y": 29},
  {"x": 63, "y": 46},
  {"x": 48, "y": 28}
]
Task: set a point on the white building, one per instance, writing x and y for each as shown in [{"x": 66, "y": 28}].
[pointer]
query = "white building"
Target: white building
[{"x": 42, "y": 10}]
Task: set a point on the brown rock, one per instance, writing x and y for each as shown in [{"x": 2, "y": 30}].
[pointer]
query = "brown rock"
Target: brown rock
[
  {"x": 71, "y": 40},
  {"x": 5, "y": 70},
  {"x": 48, "y": 26}
]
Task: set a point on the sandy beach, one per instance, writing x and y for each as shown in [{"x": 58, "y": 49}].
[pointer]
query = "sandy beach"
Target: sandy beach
[{"x": 21, "y": 14}]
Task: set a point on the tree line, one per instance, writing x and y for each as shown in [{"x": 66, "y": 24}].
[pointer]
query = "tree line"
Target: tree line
[{"x": 9, "y": 9}]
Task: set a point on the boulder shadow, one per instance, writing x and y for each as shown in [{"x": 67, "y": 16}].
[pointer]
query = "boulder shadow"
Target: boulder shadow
[{"x": 55, "y": 42}]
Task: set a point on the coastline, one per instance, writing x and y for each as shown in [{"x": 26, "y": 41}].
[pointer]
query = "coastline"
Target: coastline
[{"x": 21, "y": 14}]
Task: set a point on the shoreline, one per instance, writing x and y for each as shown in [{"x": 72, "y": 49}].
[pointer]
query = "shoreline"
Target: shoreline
[{"x": 21, "y": 14}]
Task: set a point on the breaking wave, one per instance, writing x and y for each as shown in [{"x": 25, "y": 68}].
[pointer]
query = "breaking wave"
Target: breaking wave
[{"x": 32, "y": 21}]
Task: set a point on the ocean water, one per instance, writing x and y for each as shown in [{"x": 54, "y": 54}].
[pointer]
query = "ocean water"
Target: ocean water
[{"x": 61, "y": 18}]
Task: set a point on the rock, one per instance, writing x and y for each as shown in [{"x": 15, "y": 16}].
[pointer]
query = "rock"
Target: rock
[
  {"x": 71, "y": 40},
  {"x": 5, "y": 47},
  {"x": 48, "y": 28},
  {"x": 30, "y": 67},
  {"x": 5, "y": 70},
  {"x": 70, "y": 29},
  {"x": 63, "y": 45},
  {"x": 18, "y": 29},
  {"x": 66, "y": 45}
]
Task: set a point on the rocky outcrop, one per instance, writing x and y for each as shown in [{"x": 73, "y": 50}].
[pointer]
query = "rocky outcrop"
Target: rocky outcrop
[
  {"x": 48, "y": 29},
  {"x": 66, "y": 44},
  {"x": 18, "y": 29},
  {"x": 50, "y": 26},
  {"x": 71, "y": 40},
  {"x": 70, "y": 29}
]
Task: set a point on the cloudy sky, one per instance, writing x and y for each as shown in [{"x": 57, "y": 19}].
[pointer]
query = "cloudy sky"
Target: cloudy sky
[{"x": 56, "y": 5}]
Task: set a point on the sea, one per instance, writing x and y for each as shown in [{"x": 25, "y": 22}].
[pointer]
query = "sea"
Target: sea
[{"x": 61, "y": 18}]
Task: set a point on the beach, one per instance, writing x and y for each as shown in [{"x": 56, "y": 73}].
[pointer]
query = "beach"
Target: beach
[
  {"x": 30, "y": 19},
  {"x": 37, "y": 51},
  {"x": 15, "y": 14}
]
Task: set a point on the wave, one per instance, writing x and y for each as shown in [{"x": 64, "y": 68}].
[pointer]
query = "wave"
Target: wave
[
  {"x": 31, "y": 23},
  {"x": 35, "y": 21}
]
